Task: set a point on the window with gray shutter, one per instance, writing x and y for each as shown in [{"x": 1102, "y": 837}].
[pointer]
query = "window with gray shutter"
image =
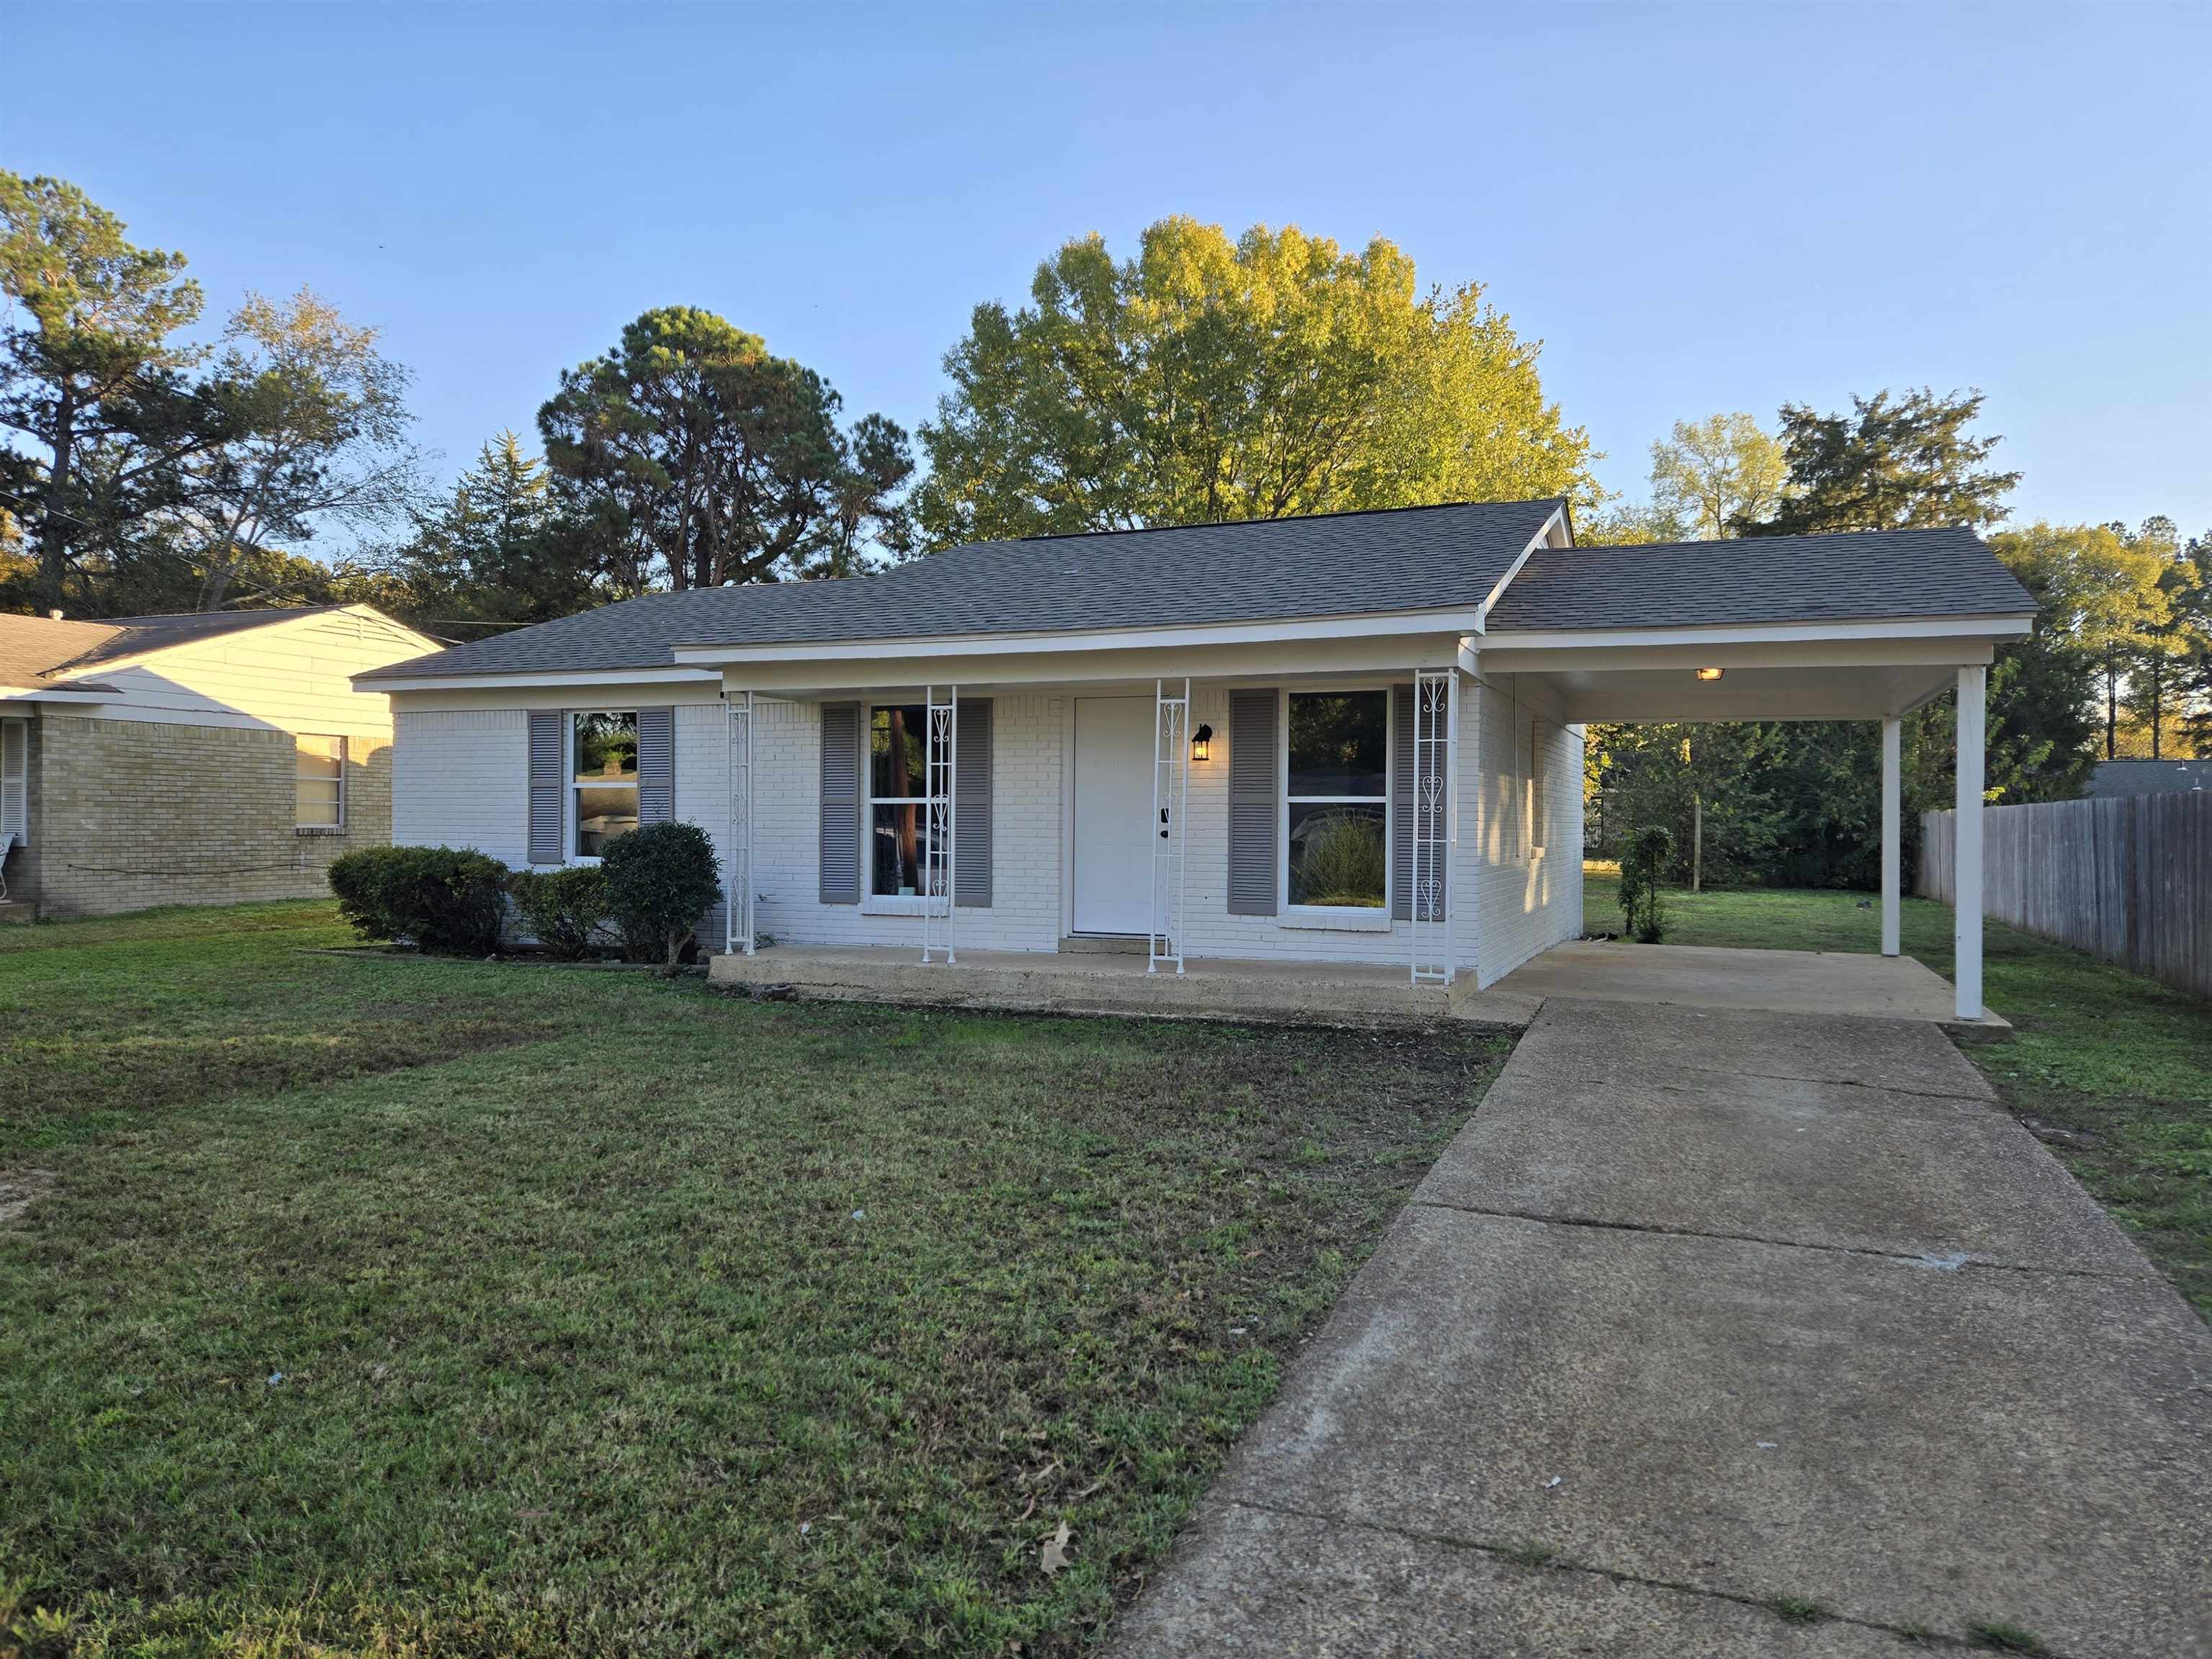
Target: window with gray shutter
[
  {"x": 656, "y": 765},
  {"x": 1256, "y": 800},
  {"x": 840, "y": 803},
  {"x": 547, "y": 786},
  {"x": 971, "y": 792}
]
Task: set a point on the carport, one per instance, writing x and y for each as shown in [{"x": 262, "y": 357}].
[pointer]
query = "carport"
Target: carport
[{"x": 1709, "y": 631}]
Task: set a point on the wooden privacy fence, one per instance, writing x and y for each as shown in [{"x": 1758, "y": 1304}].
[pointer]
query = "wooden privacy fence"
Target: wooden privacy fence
[{"x": 2128, "y": 878}]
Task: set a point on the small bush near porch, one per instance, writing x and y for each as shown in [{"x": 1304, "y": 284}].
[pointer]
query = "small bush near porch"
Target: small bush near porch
[
  {"x": 2114, "y": 1070},
  {"x": 430, "y": 1306}
]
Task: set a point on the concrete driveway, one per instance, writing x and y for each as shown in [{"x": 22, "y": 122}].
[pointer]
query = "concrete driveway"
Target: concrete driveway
[{"x": 1724, "y": 1333}]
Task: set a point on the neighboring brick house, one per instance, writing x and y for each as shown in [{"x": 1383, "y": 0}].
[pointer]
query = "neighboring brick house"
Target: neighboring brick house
[
  {"x": 206, "y": 758},
  {"x": 1348, "y": 738}
]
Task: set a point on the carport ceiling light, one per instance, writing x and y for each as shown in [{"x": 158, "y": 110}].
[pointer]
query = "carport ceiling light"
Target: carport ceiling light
[{"x": 1708, "y": 673}]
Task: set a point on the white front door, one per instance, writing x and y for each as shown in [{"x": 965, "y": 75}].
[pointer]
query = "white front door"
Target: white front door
[{"x": 1113, "y": 814}]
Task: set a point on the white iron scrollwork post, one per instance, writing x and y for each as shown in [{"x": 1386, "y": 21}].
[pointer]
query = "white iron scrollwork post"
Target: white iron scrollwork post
[
  {"x": 1170, "y": 795},
  {"x": 738, "y": 848},
  {"x": 1436, "y": 723},
  {"x": 941, "y": 767}
]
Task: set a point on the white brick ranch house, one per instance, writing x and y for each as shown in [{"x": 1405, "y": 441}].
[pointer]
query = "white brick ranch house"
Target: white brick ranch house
[{"x": 1354, "y": 738}]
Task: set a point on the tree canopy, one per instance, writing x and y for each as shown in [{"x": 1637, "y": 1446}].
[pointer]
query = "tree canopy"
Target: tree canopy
[
  {"x": 1903, "y": 463},
  {"x": 699, "y": 459},
  {"x": 1206, "y": 379}
]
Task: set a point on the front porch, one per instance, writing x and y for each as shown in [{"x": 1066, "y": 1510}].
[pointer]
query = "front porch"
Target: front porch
[{"x": 1082, "y": 980}]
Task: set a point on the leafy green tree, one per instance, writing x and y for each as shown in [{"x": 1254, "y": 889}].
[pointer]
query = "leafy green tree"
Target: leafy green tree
[
  {"x": 694, "y": 458},
  {"x": 1892, "y": 464},
  {"x": 2148, "y": 678},
  {"x": 93, "y": 376},
  {"x": 2097, "y": 592},
  {"x": 316, "y": 438},
  {"x": 497, "y": 551},
  {"x": 1209, "y": 379},
  {"x": 1711, "y": 474}
]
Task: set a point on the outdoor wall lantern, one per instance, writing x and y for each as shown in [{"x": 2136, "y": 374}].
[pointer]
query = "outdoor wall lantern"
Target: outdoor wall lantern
[
  {"x": 1708, "y": 673},
  {"x": 1201, "y": 744}
]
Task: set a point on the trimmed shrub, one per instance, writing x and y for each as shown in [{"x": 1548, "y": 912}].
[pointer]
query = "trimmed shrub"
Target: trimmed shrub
[
  {"x": 1643, "y": 909},
  {"x": 661, "y": 879},
  {"x": 448, "y": 900},
  {"x": 563, "y": 909}
]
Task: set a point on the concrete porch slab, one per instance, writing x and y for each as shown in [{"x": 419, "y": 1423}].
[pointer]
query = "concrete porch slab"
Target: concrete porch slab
[
  {"x": 1781, "y": 981},
  {"x": 1098, "y": 983}
]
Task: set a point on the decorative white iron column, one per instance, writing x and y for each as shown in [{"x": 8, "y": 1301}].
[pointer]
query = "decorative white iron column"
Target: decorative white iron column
[
  {"x": 1892, "y": 810},
  {"x": 1966, "y": 899},
  {"x": 1170, "y": 795},
  {"x": 941, "y": 774},
  {"x": 1435, "y": 711},
  {"x": 737, "y": 841}
]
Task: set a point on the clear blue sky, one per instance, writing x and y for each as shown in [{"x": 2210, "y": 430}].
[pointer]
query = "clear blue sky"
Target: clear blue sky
[{"x": 1696, "y": 208}]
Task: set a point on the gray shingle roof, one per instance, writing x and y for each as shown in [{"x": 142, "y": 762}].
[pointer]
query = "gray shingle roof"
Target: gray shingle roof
[
  {"x": 1860, "y": 574},
  {"x": 32, "y": 647},
  {"x": 1335, "y": 564}
]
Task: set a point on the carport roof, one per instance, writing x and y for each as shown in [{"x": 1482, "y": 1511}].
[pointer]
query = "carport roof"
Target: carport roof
[{"x": 1856, "y": 575}]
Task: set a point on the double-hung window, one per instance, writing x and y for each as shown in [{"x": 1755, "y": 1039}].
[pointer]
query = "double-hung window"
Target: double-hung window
[
  {"x": 1339, "y": 799},
  {"x": 319, "y": 782},
  {"x": 898, "y": 799},
  {"x": 602, "y": 748}
]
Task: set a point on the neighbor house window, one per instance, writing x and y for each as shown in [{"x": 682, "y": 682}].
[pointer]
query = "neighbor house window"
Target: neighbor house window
[
  {"x": 319, "y": 782},
  {"x": 898, "y": 806},
  {"x": 606, "y": 788},
  {"x": 1339, "y": 798}
]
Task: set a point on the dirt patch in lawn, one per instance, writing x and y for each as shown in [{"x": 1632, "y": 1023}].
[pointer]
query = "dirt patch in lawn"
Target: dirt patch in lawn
[{"x": 84, "y": 1072}]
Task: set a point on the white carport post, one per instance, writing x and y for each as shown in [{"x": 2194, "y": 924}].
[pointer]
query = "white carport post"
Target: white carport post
[
  {"x": 1966, "y": 899},
  {"x": 1892, "y": 813}
]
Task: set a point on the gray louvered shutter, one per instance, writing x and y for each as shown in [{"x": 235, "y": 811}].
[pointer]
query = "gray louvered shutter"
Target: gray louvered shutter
[
  {"x": 656, "y": 765},
  {"x": 840, "y": 803},
  {"x": 1255, "y": 803},
  {"x": 971, "y": 797},
  {"x": 546, "y": 787},
  {"x": 1401, "y": 802}
]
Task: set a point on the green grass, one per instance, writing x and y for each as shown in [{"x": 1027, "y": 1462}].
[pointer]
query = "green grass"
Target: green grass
[
  {"x": 366, "y": 1304},
  {"x": 2114, "y": 1070}
]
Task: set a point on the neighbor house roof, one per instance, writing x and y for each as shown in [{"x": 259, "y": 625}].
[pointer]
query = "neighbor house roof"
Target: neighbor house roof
[
  {"x": 46, "y": 650},
  {"x": 1864, "y": 575},
  {"x": 1263, "y": 570},
  {"x": 32, "y": 646},
  {"x": 2150, "y": 777}
]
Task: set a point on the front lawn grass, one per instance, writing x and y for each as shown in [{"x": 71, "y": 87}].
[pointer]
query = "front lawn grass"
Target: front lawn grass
[
  {"x": 2112, "y": 1069},
  {"x": 405, "y": 1306}
]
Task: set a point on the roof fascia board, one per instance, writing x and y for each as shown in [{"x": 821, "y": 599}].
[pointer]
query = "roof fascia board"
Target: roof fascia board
[
  {"x": 612, "y": 678},
  {"x": 1379, "y": 624},
  {"x": 1978, "y": 628},
  {"x": 53, "y": 694},
  {"x": 1541, "y": 539}
]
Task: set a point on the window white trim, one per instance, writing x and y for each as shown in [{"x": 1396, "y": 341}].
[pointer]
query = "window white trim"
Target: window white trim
[
  {"x": 571, "y": 823},
  {"x": 337, "y": 826},
  {"x": 1353, "y": 918},
  {"x": 873, "y": 903}
]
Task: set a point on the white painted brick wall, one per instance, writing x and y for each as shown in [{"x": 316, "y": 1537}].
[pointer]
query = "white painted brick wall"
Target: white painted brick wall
[
  {"x": 1527, "y": 898},
  {"x": 1024, "y": 910},
  {"x": 461, "y": 778}
]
